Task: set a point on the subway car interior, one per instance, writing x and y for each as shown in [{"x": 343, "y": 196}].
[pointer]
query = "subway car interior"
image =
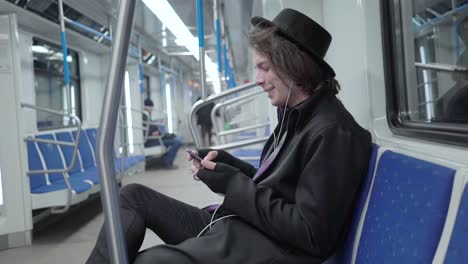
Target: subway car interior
[{"x": 82, "y": 84}]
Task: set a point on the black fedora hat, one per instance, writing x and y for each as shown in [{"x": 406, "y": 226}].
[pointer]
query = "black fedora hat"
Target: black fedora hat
[{"x": 302, "y": 31}]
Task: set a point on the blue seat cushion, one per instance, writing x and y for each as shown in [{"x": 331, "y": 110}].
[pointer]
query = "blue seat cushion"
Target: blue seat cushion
[
  {"x": 457, "y": 250},
  {"x": 406, "y": 212},
  {"x": 249, "y": 153},
  {"x": 78, "y": 185},
  {"x": 90, "y": 174}
]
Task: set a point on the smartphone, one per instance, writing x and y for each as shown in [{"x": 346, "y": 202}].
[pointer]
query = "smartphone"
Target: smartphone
[{"x": 193, "y": 155}]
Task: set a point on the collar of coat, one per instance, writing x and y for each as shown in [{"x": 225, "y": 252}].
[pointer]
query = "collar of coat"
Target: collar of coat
[{"x": 300, "y": 114}]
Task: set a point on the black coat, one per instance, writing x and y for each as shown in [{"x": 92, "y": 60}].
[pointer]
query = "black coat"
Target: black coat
[{"x": 299, "y": 209}]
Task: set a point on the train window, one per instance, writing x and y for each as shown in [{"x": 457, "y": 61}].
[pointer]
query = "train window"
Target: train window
[
  {"x": 50, "y": 86},
  {"x": 426, "y": 64}
]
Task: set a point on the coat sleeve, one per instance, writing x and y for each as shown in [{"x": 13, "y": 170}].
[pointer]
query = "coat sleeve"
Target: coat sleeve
[{"x": 324, "y": 195}]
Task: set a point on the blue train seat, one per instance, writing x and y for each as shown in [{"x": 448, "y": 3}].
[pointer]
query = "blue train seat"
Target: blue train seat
[
  {"x": 68, "y": 151},
  {"x": 89, "y": 170},
  {"x": 36, "y": 181},
  {"x": 406, "y": 211},
  {"x": 456, "y": 251},
  {"x": 93, "y": 136},
  {"x": 86, "y": 153},
  {"x": 121, "y": 164},
  {"x": 246, "y": 152},
  {"x": 49, "y": 191},
  {"x": 53, "y": 160},
  {"x": 78, "y": 170}
]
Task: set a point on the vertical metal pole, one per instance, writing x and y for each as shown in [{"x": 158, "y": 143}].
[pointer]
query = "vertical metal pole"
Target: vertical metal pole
[
  {"x": 223, "y": 43},
  {"x": 201, "y": 44},
  {"x": 218, "y": 42},
  {"x": 140, "y": 67},
  {"x": 226, "y": 65},
  {"x": 66, "y": 71},
  {"x": 109, "y": 193},
  {"x": 161, "y": 79}
]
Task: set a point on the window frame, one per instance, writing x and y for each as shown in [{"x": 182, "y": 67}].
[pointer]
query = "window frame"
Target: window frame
[{"x": 395, "y": 79}]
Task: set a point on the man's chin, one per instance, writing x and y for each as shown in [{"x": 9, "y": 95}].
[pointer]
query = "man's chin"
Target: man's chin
[{"x": 273, "y": 103}]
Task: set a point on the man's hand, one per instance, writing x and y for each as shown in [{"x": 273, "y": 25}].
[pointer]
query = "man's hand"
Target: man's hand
[
  {"x": 210, "y": 156},
  {"x": 223, "y": 156},
  {"x": 155, "y": 133},
  {"x": 217, "y": 176}
]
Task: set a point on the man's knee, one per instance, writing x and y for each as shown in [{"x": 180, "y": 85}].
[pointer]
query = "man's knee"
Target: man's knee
[{"x": 130, "y": 192}]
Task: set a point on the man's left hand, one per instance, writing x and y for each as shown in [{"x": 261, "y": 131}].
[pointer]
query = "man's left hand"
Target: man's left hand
[{"x": 217, "y": 176}]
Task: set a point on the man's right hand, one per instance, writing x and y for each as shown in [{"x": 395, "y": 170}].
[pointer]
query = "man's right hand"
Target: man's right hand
[{"x": 220, "y": 155}]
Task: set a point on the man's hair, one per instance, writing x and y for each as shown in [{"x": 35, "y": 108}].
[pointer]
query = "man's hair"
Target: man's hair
[
  {"x": 288, "y": 60},
  {"x": 148, "y": 102}
]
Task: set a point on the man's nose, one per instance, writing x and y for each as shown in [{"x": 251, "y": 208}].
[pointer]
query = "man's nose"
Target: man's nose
[{"x": 259, "y": 79}]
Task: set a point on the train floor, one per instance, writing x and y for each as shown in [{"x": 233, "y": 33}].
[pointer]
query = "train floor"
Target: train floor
[{"x": 70, "y": 239}]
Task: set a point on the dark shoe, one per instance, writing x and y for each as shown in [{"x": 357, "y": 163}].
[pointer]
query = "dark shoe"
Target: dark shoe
[
  {"x": 171, "y": 167},
  {"x": 153, "y": 163}
]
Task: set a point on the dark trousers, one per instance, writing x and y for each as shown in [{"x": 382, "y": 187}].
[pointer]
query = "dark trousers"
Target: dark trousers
[
  {"x": 206, "y": 132},
  {"x": 140, "y": 208},
  {"x": 173, "y": 146}
]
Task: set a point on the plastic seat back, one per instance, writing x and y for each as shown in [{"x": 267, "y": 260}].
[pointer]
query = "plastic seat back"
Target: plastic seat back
[
  {"x": 406, "y": 211},
  {"x": 35, "y": 163},
  {"x": 457, "y": 250},
  {"x": 52, "y": 157},
  {"x": 86, "y": 153},
  {"x": 68, "y": 151}
]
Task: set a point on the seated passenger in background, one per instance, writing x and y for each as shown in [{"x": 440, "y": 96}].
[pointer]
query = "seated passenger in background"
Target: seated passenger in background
[
  {"x": 169, "y": 140},
  {"x": 296, "y": 207},
  {"x": 205, "y": 123}
]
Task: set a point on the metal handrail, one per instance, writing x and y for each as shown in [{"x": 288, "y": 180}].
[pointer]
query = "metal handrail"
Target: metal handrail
[
  {"x": 246, "y": 120},
  {"x": 237, "y": 130},
  {"x": 109, "y": 192},
  {"x": 441, "y": 67},
  {"x": 212, "y": 98},
  {"x": 57, "y": 210},
  {"x": 245, "y": 97},
  {"x": 242, "y": 143},
  {"x": 243, "y": 102},
  {"x": 49, "y": 141}
]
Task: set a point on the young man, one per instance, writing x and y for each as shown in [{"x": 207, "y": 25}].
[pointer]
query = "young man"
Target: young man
[
  {"x": 172, "y": 143},
  {"x": 296, "y": 207}
]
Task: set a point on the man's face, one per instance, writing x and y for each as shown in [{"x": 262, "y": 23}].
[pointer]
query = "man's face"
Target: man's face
[
  {"x": 149, "y": 108},
  {"x": 269, "y": 80}
]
